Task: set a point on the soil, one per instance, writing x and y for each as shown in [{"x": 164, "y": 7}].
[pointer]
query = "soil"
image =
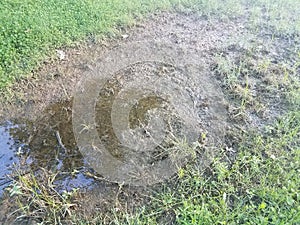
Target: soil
[{"x": 36, "y": 124}]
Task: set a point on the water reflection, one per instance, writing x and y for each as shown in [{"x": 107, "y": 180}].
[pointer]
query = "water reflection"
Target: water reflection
[
  {"x": 8, "y": 150},
  {"x": 31, "y": 145}
]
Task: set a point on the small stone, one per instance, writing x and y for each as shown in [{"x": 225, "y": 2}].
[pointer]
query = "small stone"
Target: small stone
[
  {"x": 125, "y": 36},
  {"x": 61, "y": 54}
]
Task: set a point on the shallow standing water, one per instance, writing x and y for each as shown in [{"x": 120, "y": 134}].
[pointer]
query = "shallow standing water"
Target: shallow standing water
[
  {"x": 27, "y": 146},
  {"x": 43, "y": 149},
  {"x": 7, "y": 154},
  {"x": 48, "y": 141}
]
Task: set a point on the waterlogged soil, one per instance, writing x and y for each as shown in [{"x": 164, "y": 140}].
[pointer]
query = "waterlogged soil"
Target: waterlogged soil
[{"x": 36, "y": 126}]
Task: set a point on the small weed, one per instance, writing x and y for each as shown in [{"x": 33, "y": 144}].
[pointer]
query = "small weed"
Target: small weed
[
  {"x": 38, "y": 200},
  {"x": 260, "y": 186}
]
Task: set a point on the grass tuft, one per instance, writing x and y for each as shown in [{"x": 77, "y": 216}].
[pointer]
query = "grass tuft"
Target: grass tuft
[{"x": 38, "y": 200}]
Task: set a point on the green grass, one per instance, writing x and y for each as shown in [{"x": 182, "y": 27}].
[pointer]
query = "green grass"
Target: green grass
[
  {"x": 31, "y": 30},
  {"x": 37, "y": 198},
  {"x": 260, "y": 185}
]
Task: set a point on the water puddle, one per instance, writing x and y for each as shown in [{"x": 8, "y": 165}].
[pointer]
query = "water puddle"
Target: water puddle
[
  {"x": 9, "y": 149},
  {"x": 28, "y": 146},
  {"x": 48, "y": 142}
]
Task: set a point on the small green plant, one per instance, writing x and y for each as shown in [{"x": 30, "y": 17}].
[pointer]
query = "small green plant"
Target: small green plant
[
  {"x": 259, "y": 186},
  {"x": 228, "y": 71},
  {"x": 38, "y": 199}
]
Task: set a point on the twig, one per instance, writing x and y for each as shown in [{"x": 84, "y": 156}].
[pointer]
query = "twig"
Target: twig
[{"x": 60, "y": 142}]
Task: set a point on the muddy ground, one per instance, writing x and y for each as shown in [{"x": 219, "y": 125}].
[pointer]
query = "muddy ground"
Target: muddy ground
[{"x": 39, "y": 113}]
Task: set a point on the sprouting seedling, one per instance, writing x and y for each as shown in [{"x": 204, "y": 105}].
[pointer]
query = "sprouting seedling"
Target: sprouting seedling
[{"x": 264, "y": 66}]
